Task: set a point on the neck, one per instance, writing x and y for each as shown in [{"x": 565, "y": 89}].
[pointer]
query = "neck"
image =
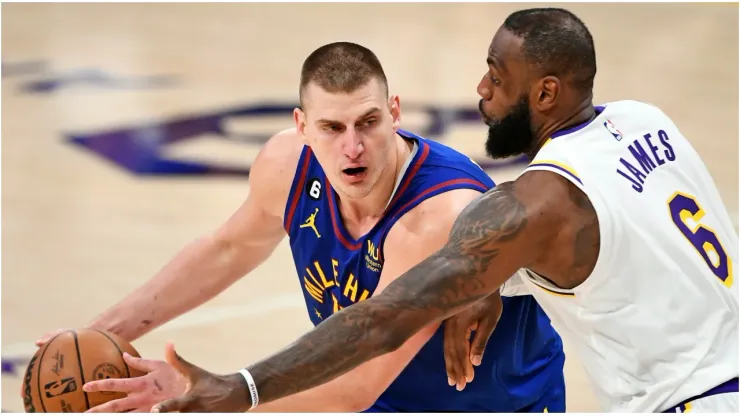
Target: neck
[
  {"x": 584, "y": 112},
  {"x": 372, "y": 206}
]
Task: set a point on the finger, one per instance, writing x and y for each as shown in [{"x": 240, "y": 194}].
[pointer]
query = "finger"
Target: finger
[
  {"x": 47, "y": 336},
  {"x": 116, "y": 406},
  {"x": 173, "y": 405},
  {"x": 123, "y": 385},
  {"x": 448, "y": 353},
  {"x": 480, "y": 340},
  {"x": 463, "y": 354},
  {"x": 142, "y": 364},
  {"x": 179, "y": 363},
  {"x": 467, "y": 366},
  {"x": 455, "y": 338}
]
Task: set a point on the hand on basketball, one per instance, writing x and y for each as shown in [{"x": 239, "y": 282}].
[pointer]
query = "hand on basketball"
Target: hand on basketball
[
  {"x": 461, "y": 353},
  {"x": 49, "y": 335},
  {"x": 161, "y": 382},
  {"x": 205, "y": 391}
]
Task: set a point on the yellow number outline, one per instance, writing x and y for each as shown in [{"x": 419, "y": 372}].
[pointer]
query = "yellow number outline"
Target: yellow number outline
[{"x": 708, "y": 247}]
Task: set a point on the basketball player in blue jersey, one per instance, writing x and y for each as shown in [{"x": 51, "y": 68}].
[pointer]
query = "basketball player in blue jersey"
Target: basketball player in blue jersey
[{"x": 362, "y": 201}]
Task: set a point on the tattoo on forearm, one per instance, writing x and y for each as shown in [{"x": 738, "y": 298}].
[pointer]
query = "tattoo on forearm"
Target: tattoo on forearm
[{"x": 440, "y": 286}]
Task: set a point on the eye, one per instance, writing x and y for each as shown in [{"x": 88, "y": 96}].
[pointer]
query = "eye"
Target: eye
[
  {"x": 494, "y": 79},
  {"x": 369, "y": 122}
]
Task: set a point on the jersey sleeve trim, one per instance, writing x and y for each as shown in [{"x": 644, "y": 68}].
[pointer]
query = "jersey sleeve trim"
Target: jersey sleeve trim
[
  {"x": 515, "y": 286},
  {"x": 295, "y": 191},
  {"x": 412, "y": 172},
  {"x": 558, "y": 166}
]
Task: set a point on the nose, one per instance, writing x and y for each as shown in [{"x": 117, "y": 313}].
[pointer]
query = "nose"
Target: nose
[
  {"x": 352, "y": 145},
  {"x": 484, "y": 89}
]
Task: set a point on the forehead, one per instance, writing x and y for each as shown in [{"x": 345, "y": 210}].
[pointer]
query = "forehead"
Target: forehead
[
  {"x": 340, "y": 106},
  {"x": 505, "y": 53}
]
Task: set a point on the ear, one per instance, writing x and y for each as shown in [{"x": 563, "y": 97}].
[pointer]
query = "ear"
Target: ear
[
  {"x": 300, "y": 123},
  {"x": 548, "y": 92},
  {"x": 394, "y": 105}
]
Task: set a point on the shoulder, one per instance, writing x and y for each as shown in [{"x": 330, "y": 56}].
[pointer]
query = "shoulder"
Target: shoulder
[
  {"x": 274, "y": 168},
  {"x": 429, "y": 223},
  {"x": 545, "y": 204},
  {"x": 634, "y": 110},
  {"x": 281, "y": 152}
]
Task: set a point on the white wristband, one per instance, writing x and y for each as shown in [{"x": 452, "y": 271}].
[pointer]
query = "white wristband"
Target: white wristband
[{"x": 252, "y": 387}]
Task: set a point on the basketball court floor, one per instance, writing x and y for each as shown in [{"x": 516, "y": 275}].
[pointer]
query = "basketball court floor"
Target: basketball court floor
[{"x": 128, "y": 130}]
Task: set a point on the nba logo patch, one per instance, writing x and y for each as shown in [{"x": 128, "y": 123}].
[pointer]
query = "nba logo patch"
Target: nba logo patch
[{"x": 613, "y": 130}]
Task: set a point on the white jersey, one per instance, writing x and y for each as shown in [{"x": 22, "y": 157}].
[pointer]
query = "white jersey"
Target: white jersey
[{"x": 656, "y": 322}]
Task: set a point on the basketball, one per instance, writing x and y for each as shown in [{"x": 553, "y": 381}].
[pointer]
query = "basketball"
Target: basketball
[{"x": 56, "y": 373}]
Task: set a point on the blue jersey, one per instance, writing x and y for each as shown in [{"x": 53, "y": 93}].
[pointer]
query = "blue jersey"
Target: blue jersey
[{"x": 523, "y": 362}]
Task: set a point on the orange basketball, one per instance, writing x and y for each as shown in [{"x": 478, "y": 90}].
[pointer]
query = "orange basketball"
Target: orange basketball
[{"x": 54, "y": 378}]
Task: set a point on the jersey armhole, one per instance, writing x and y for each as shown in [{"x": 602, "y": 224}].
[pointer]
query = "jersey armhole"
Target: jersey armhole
[
  {"x": 514, "y": 286},
  {"x": 299, "y": 181},
  {"x": 608, "y": 235},
  {"x": 559, "y": 168}
]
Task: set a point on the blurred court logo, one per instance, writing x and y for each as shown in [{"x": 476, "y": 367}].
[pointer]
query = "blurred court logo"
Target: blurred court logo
[
  {"x": 11, "y": 366},
  {"x": 38, "y": 77},
  {"x": 225, "y": 142}
]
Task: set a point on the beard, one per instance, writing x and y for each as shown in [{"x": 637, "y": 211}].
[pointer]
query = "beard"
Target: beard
[{"x": 511, "y": 135}]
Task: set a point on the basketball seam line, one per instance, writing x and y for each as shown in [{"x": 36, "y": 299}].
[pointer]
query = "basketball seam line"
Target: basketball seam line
[
  {"x": 128, "y": 373},
  {"x": 82, "y": 371},
  {"x": 41, "y": 359},
  {"x": 38, "y": 375}
]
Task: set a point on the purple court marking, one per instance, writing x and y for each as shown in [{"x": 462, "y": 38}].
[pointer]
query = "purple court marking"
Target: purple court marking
[
  {"x": 20, "y": 68},
  {"x": 51, "y": 82},
  {"x": 138, "y": 148},
  {"x": 10, "y": 365}
]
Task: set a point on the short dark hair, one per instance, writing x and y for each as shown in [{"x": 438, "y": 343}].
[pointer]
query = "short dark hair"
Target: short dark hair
[
  {"x": 556, "y": 41},
  {"x": 341, "y": 67}
]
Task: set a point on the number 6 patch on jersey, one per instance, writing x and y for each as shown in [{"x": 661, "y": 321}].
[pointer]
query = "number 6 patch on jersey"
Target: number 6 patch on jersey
[{"x": 313, "y": 189}]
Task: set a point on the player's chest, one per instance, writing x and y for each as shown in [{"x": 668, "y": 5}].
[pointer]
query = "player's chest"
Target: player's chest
[
  {"x": 335, "y": 273},
  {"x": 330, "y": 283}
]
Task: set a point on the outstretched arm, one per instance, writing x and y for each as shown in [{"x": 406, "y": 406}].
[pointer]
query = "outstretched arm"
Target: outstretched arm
[
  {"x": 486, "y": 246},
  {"x": 417, "y": 235},
  {"x": 494, "y": 236}
]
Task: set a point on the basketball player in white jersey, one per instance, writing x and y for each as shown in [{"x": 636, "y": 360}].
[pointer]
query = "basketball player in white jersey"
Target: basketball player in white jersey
[{"x": 616, "y": 226}]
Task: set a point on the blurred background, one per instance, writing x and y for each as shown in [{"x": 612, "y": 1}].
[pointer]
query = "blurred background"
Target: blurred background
[{"x": 128, "y": 131}]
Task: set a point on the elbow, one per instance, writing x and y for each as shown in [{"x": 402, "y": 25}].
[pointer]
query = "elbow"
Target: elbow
[{"x": 363, "y": 400}]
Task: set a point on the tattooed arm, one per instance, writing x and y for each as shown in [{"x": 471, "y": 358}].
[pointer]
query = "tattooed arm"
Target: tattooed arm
[{"x": 506, "y": 229}]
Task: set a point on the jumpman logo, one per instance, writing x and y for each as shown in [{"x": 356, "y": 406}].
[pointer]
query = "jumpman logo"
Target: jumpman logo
[{"x": 311, "y": 222}]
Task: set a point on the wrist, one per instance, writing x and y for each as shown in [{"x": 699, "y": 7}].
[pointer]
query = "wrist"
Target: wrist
[
  {"x": 243, "y": 391},
  {"x": 116, "y": 327}
]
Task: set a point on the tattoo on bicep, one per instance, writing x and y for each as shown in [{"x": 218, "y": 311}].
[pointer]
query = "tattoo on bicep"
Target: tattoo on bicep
[{"x": 587, "y": 238}]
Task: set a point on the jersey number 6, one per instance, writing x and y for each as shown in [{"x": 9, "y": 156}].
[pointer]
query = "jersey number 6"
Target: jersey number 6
[{"x": 684, "y": 207}]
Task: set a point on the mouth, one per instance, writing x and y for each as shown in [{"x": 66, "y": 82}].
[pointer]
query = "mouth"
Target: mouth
[
  {"x": 487, "y": 120},
  {"x": 355, "y": 174}
]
